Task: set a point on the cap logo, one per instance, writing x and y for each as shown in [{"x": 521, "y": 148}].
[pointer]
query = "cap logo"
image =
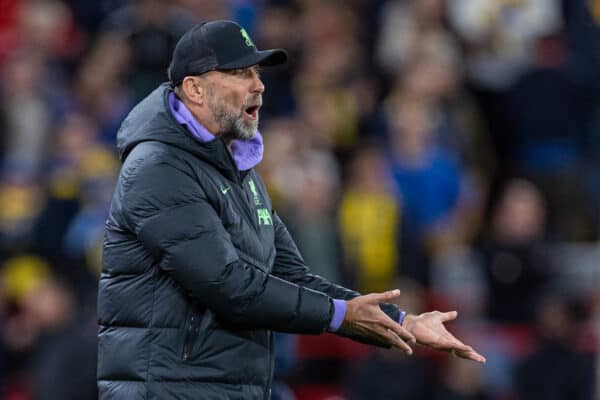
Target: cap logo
[{"x": 246, "y": 38}]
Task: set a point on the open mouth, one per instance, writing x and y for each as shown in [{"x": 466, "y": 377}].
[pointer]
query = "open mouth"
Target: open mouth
[{"x": 252, "y": 111}]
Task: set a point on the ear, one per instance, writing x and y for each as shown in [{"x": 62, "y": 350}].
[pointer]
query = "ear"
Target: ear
[{"x": 193, "y": 90}]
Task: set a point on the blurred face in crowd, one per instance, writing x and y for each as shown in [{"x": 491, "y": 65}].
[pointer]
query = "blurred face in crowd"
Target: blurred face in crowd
[
  {"x": 412, "y": 130},
  {"x": 430, "y": 10},
  {"x": 227, "y": 102},
  {"x": 520, "y": 215}
]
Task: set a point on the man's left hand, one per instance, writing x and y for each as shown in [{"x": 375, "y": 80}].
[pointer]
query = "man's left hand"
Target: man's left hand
[{"x": 429, "y": 330}]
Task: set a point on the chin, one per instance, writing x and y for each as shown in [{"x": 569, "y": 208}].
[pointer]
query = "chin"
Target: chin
[
  {"x": 248, "y": 135},
  {"x": 246, "y": 132}
]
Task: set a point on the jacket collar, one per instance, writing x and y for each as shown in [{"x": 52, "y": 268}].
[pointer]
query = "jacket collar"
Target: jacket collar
[
  {"x": 151, "y": 120},
  {"x": 246, "y": 153}
]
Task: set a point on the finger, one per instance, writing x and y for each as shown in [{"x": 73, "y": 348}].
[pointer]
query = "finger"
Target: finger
[
  {"x": 465, "y": 351},
  {"x": 398, "y": 329},
  {"x": 452, "y": 342},
  {"x": 448, "y": 316},
  {"x": 396, "y": 341},
  {"x": 448, "y": 340},
  {"x": 383, "y": 297},
  {"x": 461, "y": 349},
  {"x": 471, "y": 355}
]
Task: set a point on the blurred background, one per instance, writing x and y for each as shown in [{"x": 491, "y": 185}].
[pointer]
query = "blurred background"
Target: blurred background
[{"x": 448, "y": 148}]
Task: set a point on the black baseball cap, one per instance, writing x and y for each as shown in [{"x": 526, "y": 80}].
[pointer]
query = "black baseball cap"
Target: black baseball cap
[{"x": 218, "y": 45}]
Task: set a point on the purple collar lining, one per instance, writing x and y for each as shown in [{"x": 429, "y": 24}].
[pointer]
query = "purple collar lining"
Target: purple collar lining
[{"x": 246, "y": 153}]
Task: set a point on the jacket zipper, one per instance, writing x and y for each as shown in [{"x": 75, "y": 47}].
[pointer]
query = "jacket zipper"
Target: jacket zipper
[
  {"x": 270, "y": 376},
  {"x": 189, "y": 334}
]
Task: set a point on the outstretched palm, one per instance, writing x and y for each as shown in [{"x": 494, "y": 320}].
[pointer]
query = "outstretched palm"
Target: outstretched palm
[{"x": 429, "y": 330}]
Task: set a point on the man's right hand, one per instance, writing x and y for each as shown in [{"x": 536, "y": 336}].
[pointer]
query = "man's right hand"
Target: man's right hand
[{"x": 365, "y": 318}]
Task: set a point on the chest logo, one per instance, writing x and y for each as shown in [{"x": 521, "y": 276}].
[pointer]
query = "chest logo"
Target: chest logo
[
  {"x": 225, "y": 189},
  {"x": 254, "y": 192},
  {"x": 264, "y": 215}
]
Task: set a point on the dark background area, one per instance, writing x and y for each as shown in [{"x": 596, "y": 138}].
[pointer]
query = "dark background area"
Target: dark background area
[{"x": 448, "y": 148}]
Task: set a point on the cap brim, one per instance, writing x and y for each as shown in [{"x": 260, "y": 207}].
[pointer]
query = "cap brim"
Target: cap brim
[{"x": 269, "y": 58}]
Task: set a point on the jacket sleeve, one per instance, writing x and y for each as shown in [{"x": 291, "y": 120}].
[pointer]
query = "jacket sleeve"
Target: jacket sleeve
[
  {"x": 289, "y": 265},
  {"x": 168, "y": 211}
]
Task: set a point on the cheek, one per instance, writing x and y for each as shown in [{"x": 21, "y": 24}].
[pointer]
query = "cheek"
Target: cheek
[
  {"x": 235, "y": 98},
  {"x": 238, "y": 101}
]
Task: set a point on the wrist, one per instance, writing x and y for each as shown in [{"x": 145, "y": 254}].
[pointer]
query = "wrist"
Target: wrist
[
  {"x": 338, "y": 315},
  {"x": 409, "y": 322}
]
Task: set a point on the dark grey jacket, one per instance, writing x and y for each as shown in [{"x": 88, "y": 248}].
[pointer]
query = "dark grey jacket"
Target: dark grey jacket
[{"x": 197, "y": 271}]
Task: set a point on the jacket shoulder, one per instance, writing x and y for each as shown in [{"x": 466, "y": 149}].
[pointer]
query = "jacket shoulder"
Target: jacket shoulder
[{"x": 152, "y": 157}]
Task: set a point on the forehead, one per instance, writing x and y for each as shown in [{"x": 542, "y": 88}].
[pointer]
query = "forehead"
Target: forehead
[
  {"x": 254, "y": 67},
  {"x": 235, "y": 71},
  {"x": 231, "y": 76}
]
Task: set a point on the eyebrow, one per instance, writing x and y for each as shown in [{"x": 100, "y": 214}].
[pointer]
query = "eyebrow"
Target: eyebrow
[{"x": 256, "y": 69}]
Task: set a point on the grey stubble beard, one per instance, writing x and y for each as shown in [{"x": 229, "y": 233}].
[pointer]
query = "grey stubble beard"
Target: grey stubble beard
[{"x": 231, "y": 125}]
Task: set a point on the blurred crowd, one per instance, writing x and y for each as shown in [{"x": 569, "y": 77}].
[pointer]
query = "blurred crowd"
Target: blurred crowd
[{"x": 448, "y": 148}]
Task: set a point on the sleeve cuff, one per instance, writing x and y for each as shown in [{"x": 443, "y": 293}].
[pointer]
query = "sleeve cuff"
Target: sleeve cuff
[
  {"x": 339, "y": 312},
  {"x": 401, "y": 317}
]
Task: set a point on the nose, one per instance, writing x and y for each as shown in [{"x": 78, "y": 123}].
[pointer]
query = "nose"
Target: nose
[{"x": 257, "y": 85}]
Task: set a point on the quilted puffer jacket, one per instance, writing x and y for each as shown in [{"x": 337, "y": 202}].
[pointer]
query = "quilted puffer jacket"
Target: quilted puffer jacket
[{"x": 198, "y": 270}]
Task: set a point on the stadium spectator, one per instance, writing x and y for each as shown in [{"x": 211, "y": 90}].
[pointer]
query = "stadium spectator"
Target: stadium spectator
[{"x": 517, "y": 267}]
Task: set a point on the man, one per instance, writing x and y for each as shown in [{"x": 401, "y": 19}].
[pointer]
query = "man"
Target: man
[{"x": 198, "y": 269}]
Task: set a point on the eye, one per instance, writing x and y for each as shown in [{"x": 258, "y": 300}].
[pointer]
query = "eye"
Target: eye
[
  {"x": 244, "y": 72},
  {"x": 234, "y": 72}
]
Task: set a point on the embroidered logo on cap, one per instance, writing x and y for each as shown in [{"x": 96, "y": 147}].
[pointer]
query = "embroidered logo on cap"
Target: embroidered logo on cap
[{"x": 246, "y": 38}]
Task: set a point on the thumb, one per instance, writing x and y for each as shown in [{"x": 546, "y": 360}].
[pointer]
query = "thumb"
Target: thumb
[
  {"x": 386, "y": 296},
  {"x": 449, "y": 316}
]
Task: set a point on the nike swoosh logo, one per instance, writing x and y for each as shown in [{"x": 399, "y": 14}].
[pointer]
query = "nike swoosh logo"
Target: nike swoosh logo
[{"x": 225, "y": 189}]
